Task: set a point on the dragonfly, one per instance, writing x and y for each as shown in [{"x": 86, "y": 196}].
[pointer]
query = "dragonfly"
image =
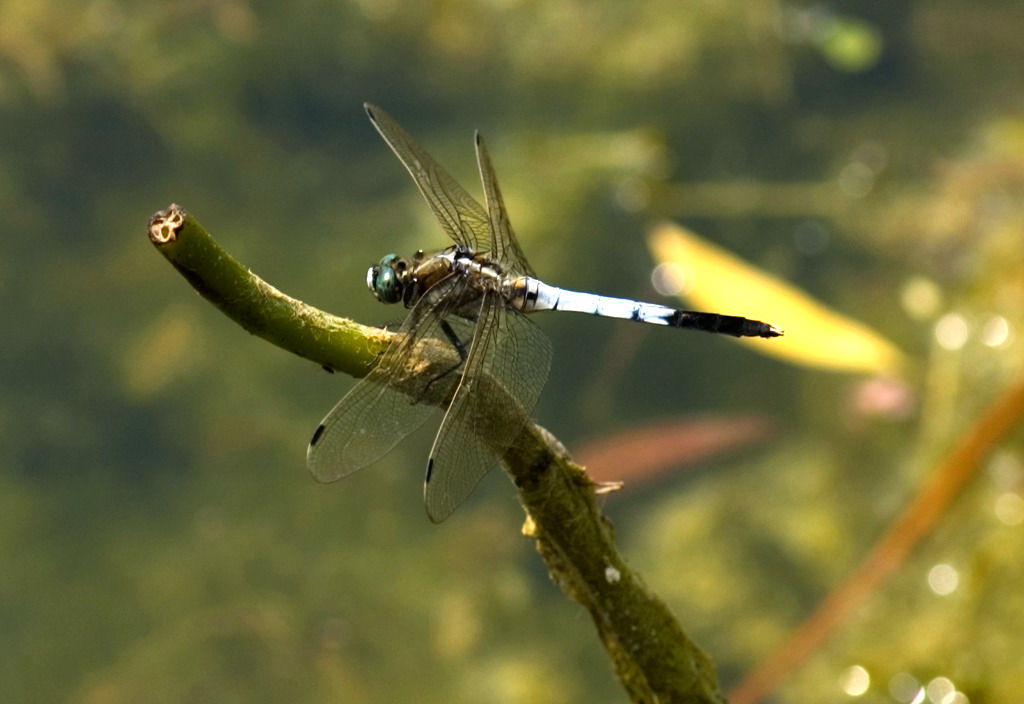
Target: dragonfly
[{"x": 466, "y": 343}]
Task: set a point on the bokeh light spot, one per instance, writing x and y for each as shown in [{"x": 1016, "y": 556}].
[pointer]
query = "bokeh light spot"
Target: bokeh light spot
[
  {"x": 855, "y": 680},
  {"x": 943, "y": 579},
  {"x": 669, "y": 279},
  {"x": 951, "y": 332},
  {"x": 938, "y": 689},
  {"x": 920, "y": 297},
  {"x": 1007, "y": 470},
  {"x": 852, "y": 45},
  {"x": 996, "y": 331},
  {"x": 856, "y": 179},
  {"x": 904, "y": 687},
  {"x": 1009, "y": 508}
]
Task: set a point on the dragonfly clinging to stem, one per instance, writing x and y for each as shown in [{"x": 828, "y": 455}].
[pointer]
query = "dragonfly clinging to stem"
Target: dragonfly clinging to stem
[{"x": 466, "y": 333}]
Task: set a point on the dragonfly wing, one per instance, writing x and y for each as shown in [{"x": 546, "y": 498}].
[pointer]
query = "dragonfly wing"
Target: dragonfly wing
[
  {"x": 504, "y": 247},
  {"x": 458, "y": 213},
  {"x": 505, "y": 371},
  {"x": 384, "y": 407}
]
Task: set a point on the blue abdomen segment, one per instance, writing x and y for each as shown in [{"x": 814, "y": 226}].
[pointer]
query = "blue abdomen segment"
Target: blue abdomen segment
[{"x": 535, "y": 295}]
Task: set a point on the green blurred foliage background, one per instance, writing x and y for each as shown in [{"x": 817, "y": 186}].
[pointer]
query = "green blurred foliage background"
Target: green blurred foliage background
[{"x": 159, "y": 536}]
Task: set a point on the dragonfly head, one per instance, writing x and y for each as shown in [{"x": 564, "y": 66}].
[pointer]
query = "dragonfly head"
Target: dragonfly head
[{"x": 386, "y": 280}]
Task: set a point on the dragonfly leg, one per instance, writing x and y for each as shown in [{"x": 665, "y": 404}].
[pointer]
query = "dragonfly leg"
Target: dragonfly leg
[
  {"x": 460, "y": 348},
  {"x": 456, "y": 342}
]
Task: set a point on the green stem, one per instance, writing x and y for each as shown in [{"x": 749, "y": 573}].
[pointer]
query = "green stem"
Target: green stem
[
  {"x": 338, "y": 344},
  {"x": 653, "y": 657}
]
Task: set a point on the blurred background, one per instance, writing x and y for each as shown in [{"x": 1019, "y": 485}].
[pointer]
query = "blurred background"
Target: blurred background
[{"x": 160, "y": 538}]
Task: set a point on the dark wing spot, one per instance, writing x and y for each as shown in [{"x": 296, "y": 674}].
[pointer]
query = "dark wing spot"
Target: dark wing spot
[
  {"x": 430, "y": 469},
  {"x": 316, "y": 435}
]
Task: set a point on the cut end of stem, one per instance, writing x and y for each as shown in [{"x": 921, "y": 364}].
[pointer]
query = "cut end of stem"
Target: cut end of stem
[{"x": 165, "y": 224}]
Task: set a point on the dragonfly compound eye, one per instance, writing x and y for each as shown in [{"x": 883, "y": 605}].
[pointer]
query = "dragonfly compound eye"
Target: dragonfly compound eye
[{"x": 384, "y": 281}]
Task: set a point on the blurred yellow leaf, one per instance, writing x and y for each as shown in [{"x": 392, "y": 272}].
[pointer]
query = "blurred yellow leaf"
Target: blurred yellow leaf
[{"x": 716, "y": 281}]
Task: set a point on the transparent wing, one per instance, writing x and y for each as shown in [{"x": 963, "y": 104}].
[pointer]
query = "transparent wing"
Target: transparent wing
[
  {"x": 380, "y": 411},
  {"x": 462, "y": 218},
  {"x": 505, "y": 371},
  {"x": 504, "y": 248}
]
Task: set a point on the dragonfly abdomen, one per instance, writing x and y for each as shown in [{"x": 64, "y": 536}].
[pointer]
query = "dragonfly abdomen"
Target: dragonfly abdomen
[{"x": 532, "y": 295}]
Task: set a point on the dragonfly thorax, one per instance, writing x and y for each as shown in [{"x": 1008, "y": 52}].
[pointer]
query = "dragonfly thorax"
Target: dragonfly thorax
[{"x": 396, "y": 280}]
